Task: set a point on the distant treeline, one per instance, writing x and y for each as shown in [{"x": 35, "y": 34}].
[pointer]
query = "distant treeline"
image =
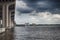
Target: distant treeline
[{"x": 38, "y": 25}]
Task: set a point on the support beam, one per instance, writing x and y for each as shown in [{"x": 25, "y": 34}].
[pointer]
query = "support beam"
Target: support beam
[
  {"x": 5, "y": 16},
  {"x": 9, "y": 20},
  {"x": 0, "y": 23}
]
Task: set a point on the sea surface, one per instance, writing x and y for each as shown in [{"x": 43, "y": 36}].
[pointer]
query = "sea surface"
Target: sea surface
[{"x": 33, "y": 33}]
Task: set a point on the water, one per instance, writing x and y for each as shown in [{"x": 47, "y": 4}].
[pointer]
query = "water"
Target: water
[{"x": 34, "y": 33}]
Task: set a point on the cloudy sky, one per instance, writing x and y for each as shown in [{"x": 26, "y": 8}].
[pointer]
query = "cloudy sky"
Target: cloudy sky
[{"x": 37, "y": 11}]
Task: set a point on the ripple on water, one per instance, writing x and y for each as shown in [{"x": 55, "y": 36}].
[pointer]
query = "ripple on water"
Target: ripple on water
[{"x": 36, "y": 33}]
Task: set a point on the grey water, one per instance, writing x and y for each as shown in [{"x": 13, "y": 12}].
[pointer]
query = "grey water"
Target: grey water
[
  {"x": 34, "y": 33},
  {"x": 37, "y": 33}
]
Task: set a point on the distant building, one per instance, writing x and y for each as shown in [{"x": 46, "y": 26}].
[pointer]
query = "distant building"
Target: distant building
[{"x": 27, "y": 24}]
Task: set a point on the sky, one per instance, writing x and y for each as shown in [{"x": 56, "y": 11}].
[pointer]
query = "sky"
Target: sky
[{"x": 37, "y": 11}]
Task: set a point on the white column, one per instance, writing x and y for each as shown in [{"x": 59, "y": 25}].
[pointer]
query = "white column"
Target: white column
[
  {"x": 9, "y": 19},
  {"x": 5, "y": 16},
  {"x": 0, "y": 23}
]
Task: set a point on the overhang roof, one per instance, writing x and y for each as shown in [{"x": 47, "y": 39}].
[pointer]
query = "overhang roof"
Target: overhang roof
[{"x": 7, "y": 0}]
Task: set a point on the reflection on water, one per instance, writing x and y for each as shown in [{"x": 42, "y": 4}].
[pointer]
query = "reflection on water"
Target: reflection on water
[{"x": 32, "y": 33}]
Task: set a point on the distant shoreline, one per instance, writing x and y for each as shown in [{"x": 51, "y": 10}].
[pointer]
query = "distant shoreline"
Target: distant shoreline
[{"x": 38, "y": 25}]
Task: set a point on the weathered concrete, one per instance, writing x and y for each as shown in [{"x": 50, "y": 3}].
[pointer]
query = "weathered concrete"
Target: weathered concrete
[
  {"x": 6, "y": 6},
  {"x": 7, "y": 35},
  {"x": 2, "y": 30}
]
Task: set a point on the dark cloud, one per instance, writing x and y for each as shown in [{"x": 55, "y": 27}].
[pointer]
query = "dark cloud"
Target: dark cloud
[
  {"x": 24, "y": 10},
  {"x": 41, "y": 5}
]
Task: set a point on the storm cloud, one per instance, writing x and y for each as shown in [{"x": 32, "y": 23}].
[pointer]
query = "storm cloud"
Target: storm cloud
[
  {"x": 38, "y": 11},
  {"x": 39, "y": 5}
]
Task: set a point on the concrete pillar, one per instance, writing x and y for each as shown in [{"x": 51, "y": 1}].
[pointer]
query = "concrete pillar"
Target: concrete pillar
[
  {"x": 9, "y": 19},
  {"x": 0, "y": 23},
  {"x": 5, "y": 16}
]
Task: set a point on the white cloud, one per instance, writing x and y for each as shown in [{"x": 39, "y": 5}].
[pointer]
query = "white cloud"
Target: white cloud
[
  {"x": 49, "y": 18},
  {"x": 33, "y": 19},
  {"x": 46, "y": 17},
  {"x": 22, "y": 4},
  {"x": 39, "y": 18}
]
